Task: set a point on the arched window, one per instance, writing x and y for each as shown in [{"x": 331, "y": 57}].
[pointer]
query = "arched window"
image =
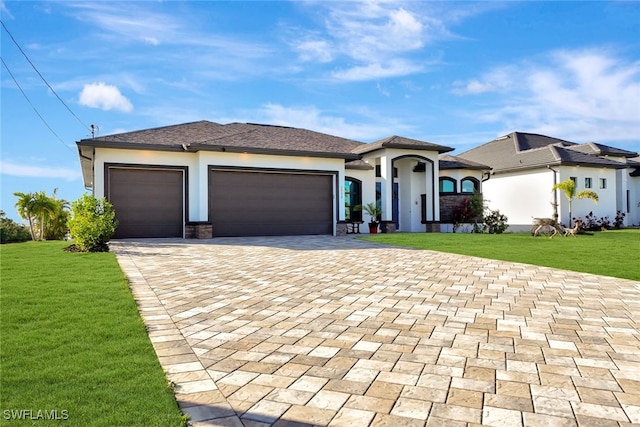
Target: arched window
[
  {"x": 470, "y": 185},
  {"x": 447, "y": 185},
  {"x": 352, "y": 199}
]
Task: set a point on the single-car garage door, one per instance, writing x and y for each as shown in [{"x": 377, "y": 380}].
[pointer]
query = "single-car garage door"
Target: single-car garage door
[
  {"x": 252, "y": 203},
  {"x": 148, "y": 202}
]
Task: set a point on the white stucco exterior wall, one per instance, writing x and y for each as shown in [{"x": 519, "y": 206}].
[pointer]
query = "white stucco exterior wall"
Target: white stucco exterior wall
[
  {"x": 520, "y": 196},
  {"x": 607, "y": 200},
  {"x": 523, "y": 195},
  {"x": 633, "y": 211}
]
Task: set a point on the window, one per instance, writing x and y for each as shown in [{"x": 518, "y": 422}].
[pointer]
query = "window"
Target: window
[
  {"x": 603, "y": 183},
  {"x": 574, "y": 179},
  {"x": 470, "y": 185},
  {"x": 352, "y": 200},
  {"x": 379, "y": 173},
  {"x": 587, "y": 183},
  {"x": 447, "y": 185}
]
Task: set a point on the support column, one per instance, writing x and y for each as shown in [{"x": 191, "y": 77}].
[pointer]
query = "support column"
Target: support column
[
  {"x": 386, "y": 187},
  {"x": 435, "y": 189}
]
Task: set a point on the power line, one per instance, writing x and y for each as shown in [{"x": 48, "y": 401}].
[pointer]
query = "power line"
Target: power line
[
  {"x": 33, "y": 106},
  {"x": 42, "y": 77}
]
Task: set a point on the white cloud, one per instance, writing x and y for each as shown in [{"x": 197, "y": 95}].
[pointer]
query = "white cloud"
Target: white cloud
[
  {"x": 129, "y": 23},
  {"x": 396, "y": 67},
  {"x": 31, "y": 171},
  {"x": 375, "y": 39},
  {"x": 369, "y": 31},
  {"x": 582, "y": 95},
  {"x": 496, "y": 80},
  {"x": 369, "y": 126},
  {"x": 314, "y": 50},
  {"x": 5, "y": 11},
  {"x": 104, "y": 96}
]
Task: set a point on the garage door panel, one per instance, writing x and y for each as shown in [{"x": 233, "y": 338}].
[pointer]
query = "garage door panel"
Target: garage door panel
[
  {"x": 147, "y": 202},
  {"x": 245, "y": 203}
]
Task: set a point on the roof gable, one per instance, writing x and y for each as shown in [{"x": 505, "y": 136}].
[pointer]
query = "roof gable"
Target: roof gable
[{"x": 401, "y": 142}]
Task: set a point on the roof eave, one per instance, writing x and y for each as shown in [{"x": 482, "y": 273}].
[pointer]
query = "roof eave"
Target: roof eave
[
  {"x": 272, "y": 151},
  {"x": 439, "y": 150},
  {"x": 129, "y": 145},
  {"x": 547, "y": 164},
  {"x": 191, "y": 148}
]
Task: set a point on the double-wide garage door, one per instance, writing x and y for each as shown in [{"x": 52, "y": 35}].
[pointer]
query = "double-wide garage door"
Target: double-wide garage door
[
  {"x": 148, "y": 202},
  {"x": 258, "y": 203}
]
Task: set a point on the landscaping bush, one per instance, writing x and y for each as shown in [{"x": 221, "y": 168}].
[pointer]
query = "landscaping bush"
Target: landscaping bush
[
  {"x": 469, "y": 211},
  {"x": 619, "y": 220},
  {"x": 12, "y": 232},
  {"x": 495, "y": 222},
  {"x": 93, "y": 222},
  {"x": 593, "y": 223}
]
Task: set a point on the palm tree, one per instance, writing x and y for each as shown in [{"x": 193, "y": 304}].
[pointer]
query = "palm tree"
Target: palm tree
[
  {"x": 568, "y": 187},
  {"x": 55, "y": 227},
  {"x": 36, "y": 208},
  {"x": 44, "y": 208},
  {"x": 25, "y": 209}
]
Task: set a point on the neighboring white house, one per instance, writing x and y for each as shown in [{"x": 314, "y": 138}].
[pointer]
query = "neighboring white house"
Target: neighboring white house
[
  {"x": 525, "y": 167},
  {"x": 205, "y": 179}
]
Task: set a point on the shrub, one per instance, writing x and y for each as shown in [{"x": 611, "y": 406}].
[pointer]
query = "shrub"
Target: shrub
[
  {"x": 592, "y": 223},
  {"x": 619, "y": 220},
  {"x": 93, "y": 222},
  {"x": 12, "y": 232},
  {"x": 469, "y": 210},
  {"x": 495, "y": 222}
]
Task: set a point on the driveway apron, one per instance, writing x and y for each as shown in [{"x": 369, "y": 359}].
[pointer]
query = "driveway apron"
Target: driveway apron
[{"x": 334, "y": 331}]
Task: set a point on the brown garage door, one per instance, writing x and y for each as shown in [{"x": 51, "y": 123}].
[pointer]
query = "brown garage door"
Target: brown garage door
[
  {"x": 245, "y": 203},
  {"x": 148, "y": 202}
]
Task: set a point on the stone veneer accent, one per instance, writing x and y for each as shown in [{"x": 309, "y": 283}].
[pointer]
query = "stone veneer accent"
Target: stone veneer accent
[
  {"x": 198, "y": 230},
  {"x": 341, "y": 228}
]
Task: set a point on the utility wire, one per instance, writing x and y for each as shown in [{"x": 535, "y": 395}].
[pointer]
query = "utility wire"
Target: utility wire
[
  {"x": 32, "y": 106},
  {"x": 42, "y": 77}
]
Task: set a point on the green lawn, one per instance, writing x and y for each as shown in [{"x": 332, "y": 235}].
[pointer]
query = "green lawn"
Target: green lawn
[
  {"x": 610, "y": 253},
  {"x": 72, "y": 341}
]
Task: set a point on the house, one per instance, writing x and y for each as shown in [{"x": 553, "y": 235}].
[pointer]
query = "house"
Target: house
[
  {"x": 205, "y": 179},
  {"x": 526, "y": 166}
]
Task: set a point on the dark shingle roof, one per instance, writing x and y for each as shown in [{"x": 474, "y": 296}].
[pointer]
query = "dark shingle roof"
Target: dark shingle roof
[
  {"x": 526, "y": 151},
  {"x": 604, "y": 150},
  {"x": 358, "y": 164},
  {"x": 251, "y": 138},
  {"x": 453, "y": 162},
  {"x": 234, "y": 137},
  {"x": 401, "y": 142}
]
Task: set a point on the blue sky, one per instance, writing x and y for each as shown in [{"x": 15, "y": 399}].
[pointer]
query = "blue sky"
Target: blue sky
[{"x": 452, "y": 73}]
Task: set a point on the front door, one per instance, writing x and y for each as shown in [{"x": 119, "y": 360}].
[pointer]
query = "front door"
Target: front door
[{"x": 395, "y": 209}]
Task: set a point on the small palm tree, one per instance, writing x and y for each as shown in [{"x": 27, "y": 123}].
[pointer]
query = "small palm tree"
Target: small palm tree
[
  {"x": 373, "y": 210},
  {"x": 44, "y": 208},
  {"x": 55, "y": 228},
  {"x": 36, "y": 208},
  {"x": 25, "y": 208},
  {"x": 568, "y": 187}
]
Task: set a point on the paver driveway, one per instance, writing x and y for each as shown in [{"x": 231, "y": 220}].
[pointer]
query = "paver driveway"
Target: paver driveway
[{"x": 335, "y": 331}]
